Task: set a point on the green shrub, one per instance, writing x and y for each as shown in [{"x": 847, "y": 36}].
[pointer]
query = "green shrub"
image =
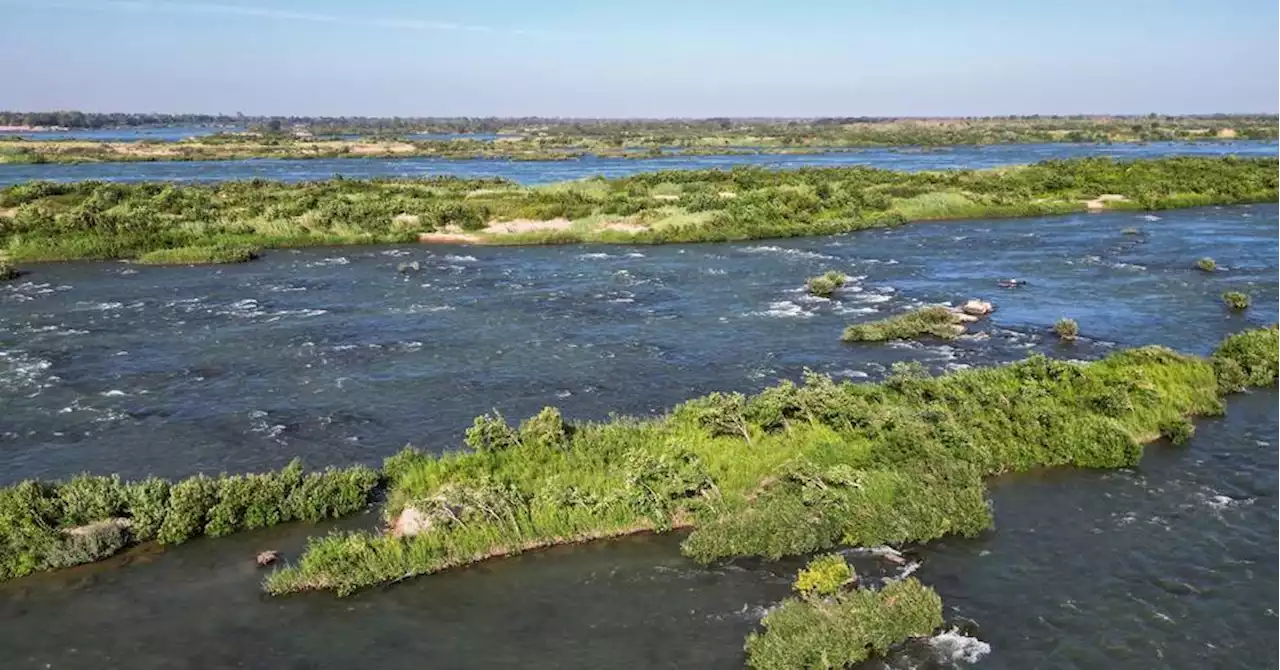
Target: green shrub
[
  {"x": 1236, "y": 300},
  {"x": 8, "y": 271},
  {"x": 148, "y": 502},
  {"x": 824, "y": 576},
  {"x": 87, "y": 544},
  {"x": 1250, "y": 358},
  {"x": 845, "y": 630},
  {"x": 490, "y": 433},
  {"x": 545, "y": 428},
  {"x": 825, "y": 284},
  {"x": 939, "y": 322},
  {"x": 199, "y": 255},
  {"x": 1206, "y": 264},
  {"x": 332, "y": 493},
  {"x": 1067, "y": 329},
  {"x": 189, "y": 503},
  {"x": 88, "y": 498},
  {"x": 1177, "y": 431},
  {"x": 407, "y": 459}
]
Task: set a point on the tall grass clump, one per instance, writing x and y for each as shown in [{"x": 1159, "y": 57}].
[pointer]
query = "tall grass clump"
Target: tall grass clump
[
  {"x": 1067, "y": 329},
  {"x": 49, "y": 525},
  {"x": 8, "y": 271},
  {"x": 199, "y": 255},
  {"x": 936, "y": 321},
  {"x": 1236, "y": 300},
  {"x": 799, "y": 468},
  {"x": 1206, "y": 264},
  {"x": 825, "y": 284}
]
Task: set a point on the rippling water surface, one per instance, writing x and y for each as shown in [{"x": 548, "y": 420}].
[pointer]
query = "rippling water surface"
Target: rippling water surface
[
  {"x": 334, "y": 356},
  {"x": 544, "y": 172}
]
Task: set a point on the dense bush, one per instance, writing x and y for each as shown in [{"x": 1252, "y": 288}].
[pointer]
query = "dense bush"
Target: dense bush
[
  {"x": 87, "y": 518},
  {"x": 824, "y": 576},
  {"x": 825, "y": 284},
  {"x": 1067, "y": 329},
  {"x": 1206, "y": 264},
  {"x": 1236, "y": 300}
]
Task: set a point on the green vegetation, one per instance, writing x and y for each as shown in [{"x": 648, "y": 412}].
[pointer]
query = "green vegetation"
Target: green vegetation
[
  {"x": 937, "y": 321},
  {"x": 844, "y": 629},
  {"x": 60, "y": 221},
  {"x": 825, "y": 284},
  {"x": 1236, "y": 300},
  {"x": 1207, "y": 264},
  {"x": 824, "y": 576},
  {"x": 8, "y": 271},
  {"x": 1067, "y": 329},
  {"x": 46, "y": 526},
  {"x": 1131, "y": 231},
  {"x": 793, "y": 470},
  {"x": 199, "y": 255}
]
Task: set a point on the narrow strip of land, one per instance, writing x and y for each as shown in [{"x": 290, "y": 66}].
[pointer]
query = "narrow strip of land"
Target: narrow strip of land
[{"x": 42, "y": 221}]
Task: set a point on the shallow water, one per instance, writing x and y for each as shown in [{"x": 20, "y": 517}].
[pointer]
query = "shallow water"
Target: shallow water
[
  {"x": 152, "y": 134},
  {"x": 544, "y": 172},
  {"x": 331, "y": 355}
]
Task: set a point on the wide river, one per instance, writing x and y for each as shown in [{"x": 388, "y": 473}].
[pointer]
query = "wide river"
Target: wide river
[
  {"x": 542, "y": 172},
  {"x": 334, "y": 356}
]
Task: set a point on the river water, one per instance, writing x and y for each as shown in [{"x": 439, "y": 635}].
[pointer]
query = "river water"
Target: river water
[
  {"x": 334, "y": 356},
  {"x": 543, "y": 172}
]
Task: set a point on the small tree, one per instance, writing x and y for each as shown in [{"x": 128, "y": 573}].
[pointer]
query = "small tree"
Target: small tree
[{"x": 1067, "y": 329}]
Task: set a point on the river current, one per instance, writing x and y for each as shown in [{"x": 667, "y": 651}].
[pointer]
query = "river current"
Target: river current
[{"x": 333, "y": 356}]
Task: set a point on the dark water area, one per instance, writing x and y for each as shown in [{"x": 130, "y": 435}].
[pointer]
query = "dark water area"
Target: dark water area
[
  {"x": 151, "y": 134},
  {"x": 545, "y": 172},
  {"x": 331, "y": 355}
]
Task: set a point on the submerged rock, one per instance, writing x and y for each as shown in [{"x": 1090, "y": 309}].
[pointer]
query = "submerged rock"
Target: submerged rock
[
  {"x": 267, "y": 557},
  {"x": 406, "y": 268}
]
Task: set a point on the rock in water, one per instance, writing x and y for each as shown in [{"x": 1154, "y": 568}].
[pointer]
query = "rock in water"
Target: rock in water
[
  {"x": 267, "y": 557},
  {"x": 406, "y": 268},
  {"x": 977, "y": 308}
]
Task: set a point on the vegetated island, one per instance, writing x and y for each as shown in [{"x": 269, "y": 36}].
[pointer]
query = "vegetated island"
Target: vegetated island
[
  {"x": 45, "y": 221},
  {"x": 559, "y": 139},
  {"x": 793, "y": 470}
]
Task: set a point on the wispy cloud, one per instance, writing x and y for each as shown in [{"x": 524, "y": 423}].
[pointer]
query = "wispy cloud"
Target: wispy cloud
[{"x": 157, "y": 6}]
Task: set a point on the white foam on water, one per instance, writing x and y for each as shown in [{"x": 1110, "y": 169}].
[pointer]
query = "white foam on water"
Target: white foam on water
[
  {"x": 635, "y": 254},
  {"x": 594, "y": 256},
  {"x": 845, "y": 309},
  {"x": 797, "y": 253},
  {"x": 113, "y": 393},
  {"x": 19, "y": 369},
  {"x": 715, "y": 272},
  {"x": 784, "y": 309},
  {"x": 954, "y": 646},
  {"x": 460, "y": 259},
  {"x": 854, "y": 374},
  {"x": 1149, "y": 217},
  {"x": 339, "y": 260},
  {"x": 872, "y": 298},
  {"x": 396, "y": 253}
]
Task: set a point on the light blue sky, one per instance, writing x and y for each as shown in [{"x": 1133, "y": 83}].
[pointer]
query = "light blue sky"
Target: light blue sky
[{"x": 641, "y": 58}]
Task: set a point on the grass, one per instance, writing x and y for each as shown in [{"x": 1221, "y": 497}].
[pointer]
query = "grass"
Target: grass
[
  {"x": 1236, "y": 300},
  {"x": 8, "y": 271},
  {"x": 936, "y": 321},
  {"x": 1206, "y": 265},
  {"x": 199, "y": 255},
  {"x": 825, "y": 284},
  {"x": 824, "y": 576},
  {"x": 1067, "y": 329},
  {"x": 796, "y": 469},
  {"x": 42, "y": 221},
  {"x": 51, "y": 525}
]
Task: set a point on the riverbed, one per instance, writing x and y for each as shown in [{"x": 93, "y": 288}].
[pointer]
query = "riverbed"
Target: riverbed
[{"x": 333, "y": 356}]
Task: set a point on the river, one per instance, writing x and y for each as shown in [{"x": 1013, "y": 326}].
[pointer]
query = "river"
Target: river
[
  {"x": 543, "y": 172},
  {"x": 334, "y": 356}
]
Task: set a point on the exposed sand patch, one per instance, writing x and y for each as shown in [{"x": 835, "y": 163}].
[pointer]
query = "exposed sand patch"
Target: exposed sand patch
[
  {"x": 1101, "y": 201},
  {"x": 449, "y": 238},
  {"x": 1227, "y": 133},
  {"x": 526, "y": 226},
  {"x": 666, "y": 197}
]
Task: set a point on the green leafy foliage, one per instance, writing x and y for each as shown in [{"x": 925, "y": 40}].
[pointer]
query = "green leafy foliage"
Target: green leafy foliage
[
  {"x": 1067, "y": 329},
  {"x": 1236, "y": 300},
  {"x": 938, "y": 322},
  {"x": 824, "y": 576}
]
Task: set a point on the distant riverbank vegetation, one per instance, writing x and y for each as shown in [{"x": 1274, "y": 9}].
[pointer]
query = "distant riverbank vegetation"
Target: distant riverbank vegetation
[
  {"x": 51, "y": 525},
  {"x": 82, "y": 220},
  {"x": 604, "y": 135}
]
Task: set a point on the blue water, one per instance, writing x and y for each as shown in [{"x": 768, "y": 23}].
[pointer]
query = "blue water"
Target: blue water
[
  {"x": 154, "y": 134},
  {"x": 542, "y": 172}
]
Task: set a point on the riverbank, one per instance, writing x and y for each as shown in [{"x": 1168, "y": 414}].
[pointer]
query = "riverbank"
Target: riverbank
[{"x": 43, "y": 221}]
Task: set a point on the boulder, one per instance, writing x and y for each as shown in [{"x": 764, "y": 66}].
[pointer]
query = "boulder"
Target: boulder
[
  {"x": 406, "y": 268},
  {"x": 964, "y": 318},
  {"x": 267, "y": 557},
  {"x": 977, "y": 308},
  {"x": 411, "y": 522}
]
